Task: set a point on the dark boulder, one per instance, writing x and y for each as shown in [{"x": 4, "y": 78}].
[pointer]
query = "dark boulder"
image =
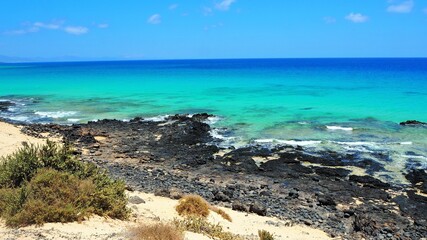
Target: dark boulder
[
  {"x": 412, "y": 123},
  {"x": 326, "y": 201},
  {"x": 258, "y": 209},
  {"x": 239, "y": 206}
]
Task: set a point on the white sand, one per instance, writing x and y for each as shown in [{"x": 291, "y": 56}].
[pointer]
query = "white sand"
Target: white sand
[
  {"x": 11, "y": 139},
  {"x": 153, "y": 210}
]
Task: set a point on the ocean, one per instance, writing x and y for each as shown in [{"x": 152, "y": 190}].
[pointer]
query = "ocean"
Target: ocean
[{"x": 346, "y": 105}]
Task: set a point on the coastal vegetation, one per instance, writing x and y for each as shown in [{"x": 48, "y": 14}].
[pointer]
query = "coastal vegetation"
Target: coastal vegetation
[
  {"x": 202, "y": 226},
  {"x": 265, "y": 235},
  {"x": 194, "y": 205},
  {"x": 158, "y": 231},
  {"x": 40, "y": 184}
]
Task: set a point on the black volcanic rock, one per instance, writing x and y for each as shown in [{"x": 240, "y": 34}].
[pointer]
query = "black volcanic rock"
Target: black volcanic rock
[
  {"x": 412, "y": 123},
  {"x": 369, "y": 181}
]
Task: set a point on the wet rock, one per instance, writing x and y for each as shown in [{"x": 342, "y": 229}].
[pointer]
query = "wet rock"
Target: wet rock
[
  {"x": 369, "y": 181},
  {"x": 418, "y": 178},
  {"x": 5, "y": 105}
]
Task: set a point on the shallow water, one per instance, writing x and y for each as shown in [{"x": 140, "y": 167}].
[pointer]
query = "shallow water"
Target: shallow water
[{"x": 339, "y": 104}]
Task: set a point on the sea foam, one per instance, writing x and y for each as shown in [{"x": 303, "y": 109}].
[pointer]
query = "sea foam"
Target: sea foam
[
  {"x": 333, "y": 128},
  {"x": 55, "y": 115}
]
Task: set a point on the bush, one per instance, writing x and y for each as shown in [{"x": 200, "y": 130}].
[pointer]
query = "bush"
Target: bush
[
  {"x": 193, "y": 205},
  {"x": 159, "y": 231},
  {"x": 48, "y": 184},
  {"x": 265, "y": 235},
  {"x": 196, "y": 206}
]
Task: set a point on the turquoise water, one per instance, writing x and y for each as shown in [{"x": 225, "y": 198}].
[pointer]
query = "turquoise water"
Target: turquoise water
[{"x": 341, "y": 104}]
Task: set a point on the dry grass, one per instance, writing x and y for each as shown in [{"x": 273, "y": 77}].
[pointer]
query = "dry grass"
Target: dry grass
[
  {"x": 193, "y": 205},
  {"x": 159, "y": 231},
  {"x": 196, "y": 206},
  {"x": 200, "y": 225},
  {"x": 265, "y": 235},
  {"x": 221, "y": 212}
]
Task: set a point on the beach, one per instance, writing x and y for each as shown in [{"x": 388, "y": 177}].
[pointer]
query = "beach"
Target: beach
[{"x": 11, "y": 139}]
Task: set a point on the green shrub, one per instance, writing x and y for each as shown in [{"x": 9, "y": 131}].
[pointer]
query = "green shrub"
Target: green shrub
[{"x": 48, "y": 184}]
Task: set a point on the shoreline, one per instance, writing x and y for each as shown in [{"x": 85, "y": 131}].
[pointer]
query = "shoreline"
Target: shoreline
[{"x": 174, "y": 155}]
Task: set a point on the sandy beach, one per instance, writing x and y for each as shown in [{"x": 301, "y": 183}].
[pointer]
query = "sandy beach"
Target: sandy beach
[
  {"x": 11, "y": 139},
  {"x": 149, "y": 209}
]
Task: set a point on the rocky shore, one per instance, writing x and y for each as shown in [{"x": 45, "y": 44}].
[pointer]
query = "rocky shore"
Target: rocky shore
[{"x": 176, "y": 156}]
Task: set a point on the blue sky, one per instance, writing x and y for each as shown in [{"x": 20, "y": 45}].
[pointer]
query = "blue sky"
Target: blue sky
[{"x": 186, "y": 29}]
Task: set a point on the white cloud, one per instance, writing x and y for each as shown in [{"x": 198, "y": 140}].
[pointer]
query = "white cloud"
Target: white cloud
[
  {"x": 404, "y": 7},
  {"x": 357, "y": 17},
  {"x": 173, "y": 6},
  {"x": 224, "y": 5},
  {"x": 52, "y": 26},
  {"x": 154, "y": 19},
  {"x": 76, "y": 30},
  {"x": 329, "y": 20},
  {"x": 103, "y": 25}
]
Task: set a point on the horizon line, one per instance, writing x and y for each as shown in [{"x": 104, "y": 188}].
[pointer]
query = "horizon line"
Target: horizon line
[{"x": 200, "y": 59}]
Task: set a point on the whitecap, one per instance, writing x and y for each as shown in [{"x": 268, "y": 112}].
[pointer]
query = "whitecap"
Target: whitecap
[
  {"x": 268, "y": 140},
  {"x": 160, "y": 118},
  {"x": 73, "y": 120},
  {"x": 299, "y": 143},
  {"x": 372, "y": 144},
  {"x": 58, "y": 114},
  {"x": 414, "y": 156},
  {"x": 19, "y": 118},
  {"x": 212, "y": 120},
  {"x": 405, "y": 143},
  {"x": 339, "y": 128}
]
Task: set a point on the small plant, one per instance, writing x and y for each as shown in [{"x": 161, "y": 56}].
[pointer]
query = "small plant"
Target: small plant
[
  {"x": 221, "y": 212},
  {"x": 48, "y": 184},
  {"x": 193, "y": 205},
  {"x": 200, "y": 225},
  {"x": 265, "y": 235},
  {"x": 159, "y": 231}
]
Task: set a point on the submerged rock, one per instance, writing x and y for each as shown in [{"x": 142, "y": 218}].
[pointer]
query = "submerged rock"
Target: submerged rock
[{"x": 5, "y": 105}]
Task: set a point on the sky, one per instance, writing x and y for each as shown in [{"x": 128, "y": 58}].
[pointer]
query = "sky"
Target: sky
[{"x": 201, "y": 29}]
